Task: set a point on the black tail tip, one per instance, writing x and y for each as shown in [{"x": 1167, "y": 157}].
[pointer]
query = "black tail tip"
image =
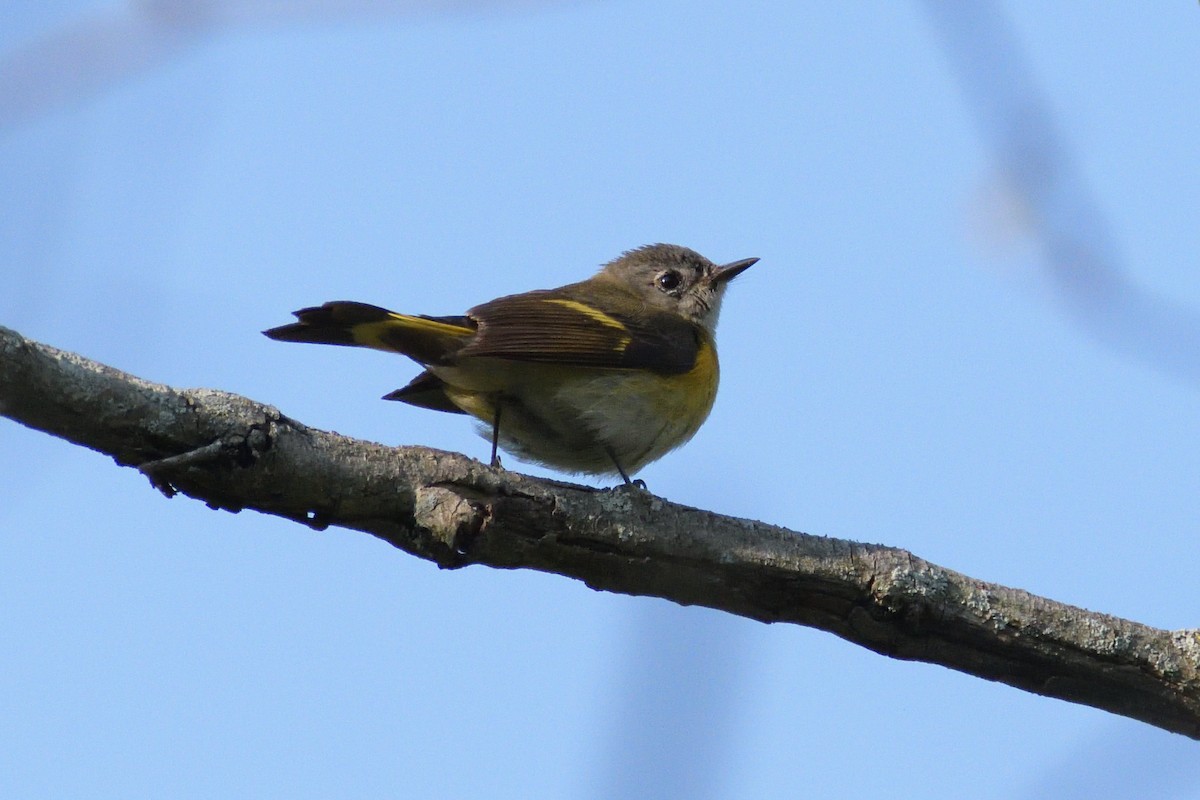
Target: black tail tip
[{"x": 331, "y": 323}]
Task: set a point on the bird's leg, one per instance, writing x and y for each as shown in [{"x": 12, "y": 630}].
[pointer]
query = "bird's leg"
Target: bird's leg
[
  {"x": 496, "y": 436},
  {"x": 639, "y": 483}
]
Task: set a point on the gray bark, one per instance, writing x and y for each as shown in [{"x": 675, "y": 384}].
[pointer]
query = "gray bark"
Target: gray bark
[{"x": 234, "y": 453}]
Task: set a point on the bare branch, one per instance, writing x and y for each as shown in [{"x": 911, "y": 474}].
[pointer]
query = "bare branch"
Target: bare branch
[{"x": 234, "y": 453}]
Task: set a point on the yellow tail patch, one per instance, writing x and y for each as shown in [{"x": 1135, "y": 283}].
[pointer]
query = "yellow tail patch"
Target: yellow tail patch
[{"x": 386, "y": 334}]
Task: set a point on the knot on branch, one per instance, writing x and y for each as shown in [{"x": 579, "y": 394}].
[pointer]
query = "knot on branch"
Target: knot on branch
[
  {"x": 239, "y": 448},
  {"x": 451, "y": 520}
]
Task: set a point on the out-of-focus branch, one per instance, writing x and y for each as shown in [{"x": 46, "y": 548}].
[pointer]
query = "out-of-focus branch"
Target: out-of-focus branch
[
  {"x": 1079, "y": 256},
  {"x": 234, "y": 453},
  {"x": 98, "y": 50}
]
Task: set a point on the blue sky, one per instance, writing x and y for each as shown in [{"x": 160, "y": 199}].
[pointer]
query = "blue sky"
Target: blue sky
[{"x": 898, "y": 368}]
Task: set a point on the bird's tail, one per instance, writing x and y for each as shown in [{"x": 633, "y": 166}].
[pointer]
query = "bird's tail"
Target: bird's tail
[{"x": 427, "y": 340}]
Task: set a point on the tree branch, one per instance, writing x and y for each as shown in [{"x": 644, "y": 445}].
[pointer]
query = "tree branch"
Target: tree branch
[{"x": 234, "y": 453}]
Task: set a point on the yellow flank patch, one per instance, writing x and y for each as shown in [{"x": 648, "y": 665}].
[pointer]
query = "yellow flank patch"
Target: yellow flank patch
[{"x": 702, "y": 379}]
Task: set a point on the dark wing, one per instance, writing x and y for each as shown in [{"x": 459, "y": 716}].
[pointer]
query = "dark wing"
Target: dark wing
[{"x": 552, "y": 327}]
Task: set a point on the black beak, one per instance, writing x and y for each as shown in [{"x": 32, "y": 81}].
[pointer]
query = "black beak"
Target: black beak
[{"x": 727, "y": 272}]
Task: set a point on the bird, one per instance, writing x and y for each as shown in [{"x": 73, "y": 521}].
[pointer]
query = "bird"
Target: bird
[{"x": 599, "y": 377}]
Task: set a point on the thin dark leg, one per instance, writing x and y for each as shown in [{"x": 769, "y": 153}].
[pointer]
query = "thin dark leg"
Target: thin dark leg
[
  {"x": 620, "y": 469},
  {"x": 496, "y": 437}
]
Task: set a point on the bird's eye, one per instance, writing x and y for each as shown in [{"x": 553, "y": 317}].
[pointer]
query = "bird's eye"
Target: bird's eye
[{"x": 669, "y": 280}]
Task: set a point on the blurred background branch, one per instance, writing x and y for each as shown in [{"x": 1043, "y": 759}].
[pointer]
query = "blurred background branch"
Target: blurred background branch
[
  {"x": 1081, "y": 260},
  {"x": 99, "y": 49}
]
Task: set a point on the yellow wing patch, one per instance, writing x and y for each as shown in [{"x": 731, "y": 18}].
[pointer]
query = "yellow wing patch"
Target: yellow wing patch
[
  {"x": 598, "y": 315},
  {"x": 594, "y": 313}
]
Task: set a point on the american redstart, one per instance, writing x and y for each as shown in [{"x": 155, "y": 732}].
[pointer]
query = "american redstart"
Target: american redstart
[{"x": 601, "y": 376}]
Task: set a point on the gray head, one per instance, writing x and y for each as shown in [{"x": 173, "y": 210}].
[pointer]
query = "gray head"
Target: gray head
[{"x": 676, "y": 279}]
